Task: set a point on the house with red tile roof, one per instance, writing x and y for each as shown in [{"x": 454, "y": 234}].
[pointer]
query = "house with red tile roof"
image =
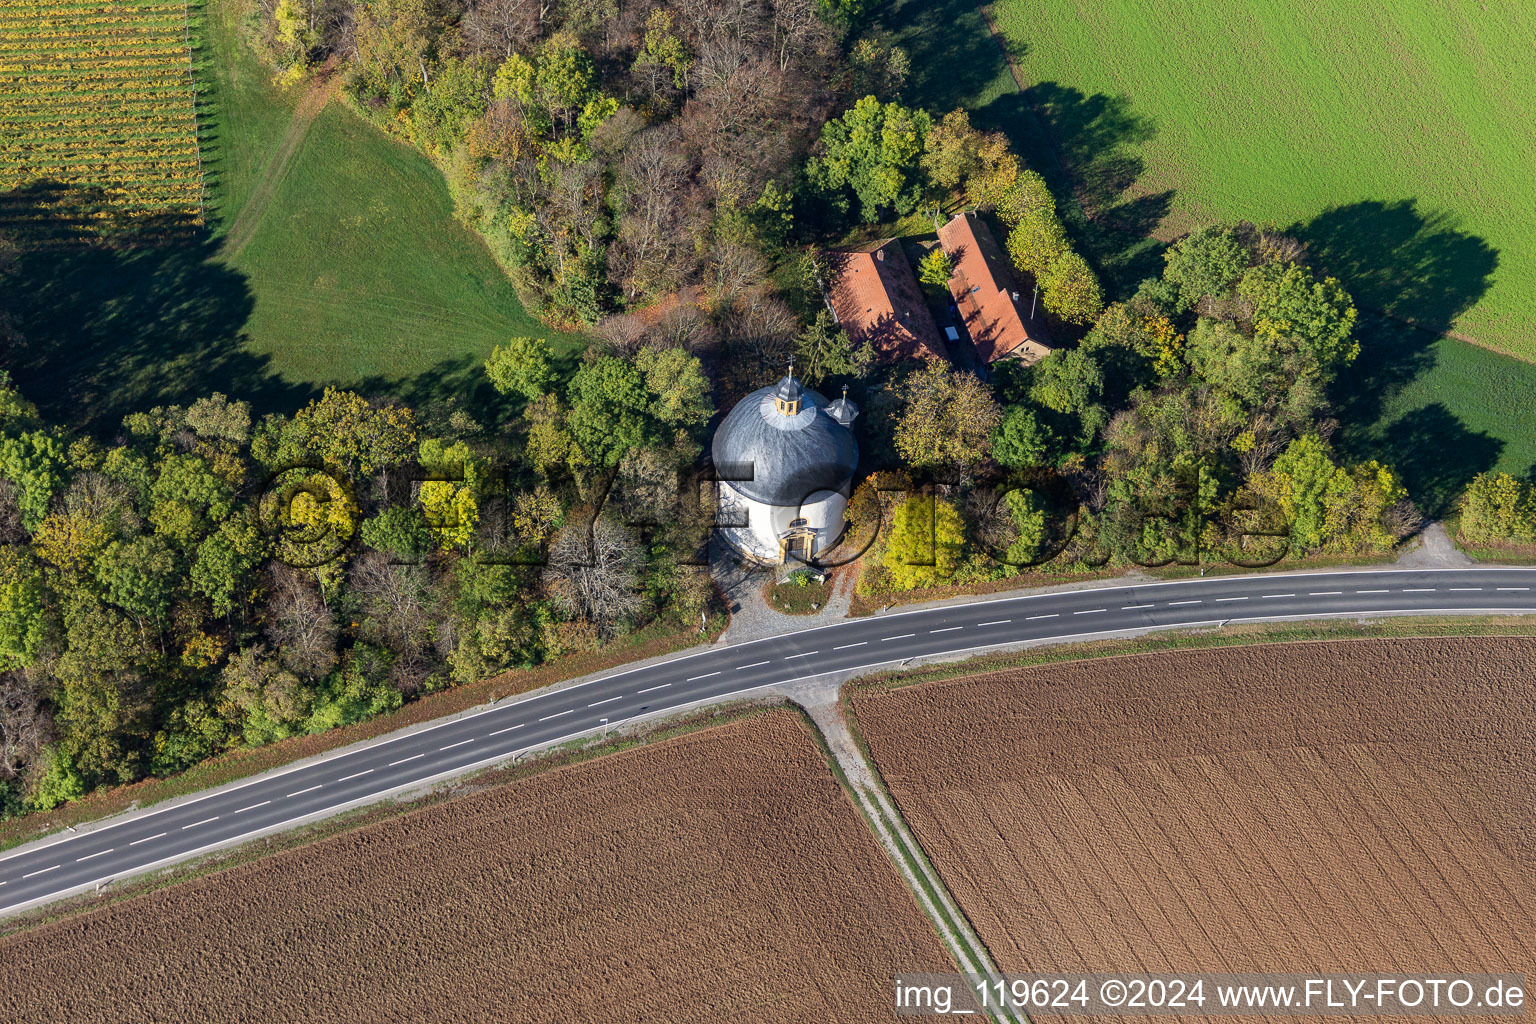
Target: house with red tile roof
[
  {"x": 875, "y": 297},
  {"x": 996, "y": 311}
]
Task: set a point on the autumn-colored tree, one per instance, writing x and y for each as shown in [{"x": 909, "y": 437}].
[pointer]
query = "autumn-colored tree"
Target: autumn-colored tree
[
  {"x": 926, "y": 543},
  {"x": 947, "y": 418}
]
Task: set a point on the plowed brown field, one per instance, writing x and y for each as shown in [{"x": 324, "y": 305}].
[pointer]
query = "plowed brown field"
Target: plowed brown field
[
  {"x": 1359, "y": 806},
  {"x": 721, "y": 876}
]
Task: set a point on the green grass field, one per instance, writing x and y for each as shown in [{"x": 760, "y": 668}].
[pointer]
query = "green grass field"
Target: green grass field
[{"x": 352, "y": 271}]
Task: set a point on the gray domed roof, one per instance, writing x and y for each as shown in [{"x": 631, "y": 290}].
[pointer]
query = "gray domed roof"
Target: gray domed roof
[{"x": 787, "y": 458}]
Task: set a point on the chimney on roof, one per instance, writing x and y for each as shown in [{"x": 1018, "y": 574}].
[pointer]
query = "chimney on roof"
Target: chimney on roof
[
  {"x": 1015, "y": 296},
  {"x": 880, "y": 255}
]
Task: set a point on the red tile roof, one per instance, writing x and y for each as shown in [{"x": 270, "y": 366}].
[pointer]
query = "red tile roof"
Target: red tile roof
[
  {"x": 983, "y": 288},
  {"x": 875, "y": 296}
]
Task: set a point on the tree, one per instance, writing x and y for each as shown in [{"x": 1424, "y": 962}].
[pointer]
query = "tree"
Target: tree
[
  {"x": 345, "y": 430},
  {"x": 1302, "y": 480},
  {"x": 936, "y": 268},
  {"x": 610, "y": 410},
  {"x": 1288, "y": 301},
  {"x": 521, "y": 367},
  {"x": 947, "y": 418},
  {"x": 873, "y": 150},
  {"x": 226, "y": 563},
  {"x": 139, "y": 576},
  {"x": 1067, "y": 381},
  {"x": 593, "y": 573},
  {"x": 451, "y": 503},
  {"x": 926, "y": 543},
  {"x": 1037, "y": 241},
  {"x": 23, "y": 613},
  {"x": 1071, "y": 289},
  {"x": 188, "y": 500},
  {"x": 679, "y": 389},
  {"x": 1497, "y": 507},
  {"x": 824, "y": 350},
  {"x": 1020, "y": 441},
  {"x": 662, "y": 52},
  {"x": 1207, "y": 262},
  {"x": 34, "y": 462}
]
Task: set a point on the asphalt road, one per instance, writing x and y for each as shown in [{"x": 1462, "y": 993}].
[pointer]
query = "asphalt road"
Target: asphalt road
[{"x": 76, "y": 862}]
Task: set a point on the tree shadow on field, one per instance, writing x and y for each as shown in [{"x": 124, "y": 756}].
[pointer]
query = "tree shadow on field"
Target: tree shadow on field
[
  {"x": 1415, "y": 273},
  {"x": 1435, "y": 454},
  {"x": 1088, "y": 148},
  {"x": 116, "y": 316}
]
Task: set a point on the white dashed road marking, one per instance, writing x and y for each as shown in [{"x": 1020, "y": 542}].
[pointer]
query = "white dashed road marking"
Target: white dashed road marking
[
  {"x": 355, "y": 775},
  {"x": 1134, "y": 607},
  {"x": 690, "y": 679},
  {"x": 1370, "y": 591},
  {"x": 147, "y": 839},
  {"x": 1172, "y": 603},
  {"x": 946, "y": 629},
  {"x": 792, "y": 657},
  {"x": 1514, "y": 588},
  {"x": 44, "y": 871},
  {"x": 1221, "y": 599},
  {"x": 91, "y": 856},
  {"x": 995, "y": 622},
  {"x": 861, "y": 643},
  {"x": 605, "y": 700},
  {"x": 197, "y": 823},
  {"x": 301, "y": 792},
  {"x": 661, "y": 686},
  {"x": 557, "y": 714},
  {"x": 458, "y": 744},
  {"x": 1090, "y": 611},
  {"x": 509, "y": 728},
  {"x": 1053, "y": 615},
  {"x": 1273, "y": 597},
  {"x": 1463, "y": 590},
  {"x": 1324, "y": 593},
  {"x": 755, "y": 664},
  {"x": 264, "y": 803},
  {"x": 401, "y": 761},
  {"x": 901, "y": 637}
]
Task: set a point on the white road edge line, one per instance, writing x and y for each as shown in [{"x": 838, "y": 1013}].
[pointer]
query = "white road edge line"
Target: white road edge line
[
  {"x": 147, "y": 839},
  {"x": 197, "y": 823},
  {"x": 92, "y": 856},
  {"x": 861, "y": 643},
  {"x": 648, "y": 689},
  {"x": 301, "y": 792},
  {"x": 355, "y": 775},
  {"x": 393, "y": 763}
]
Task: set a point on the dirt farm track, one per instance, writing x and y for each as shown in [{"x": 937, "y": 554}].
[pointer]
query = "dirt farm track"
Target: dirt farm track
[
  {"x": 1360, "y": 806},
  {"x": 720, "y": 875}
]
